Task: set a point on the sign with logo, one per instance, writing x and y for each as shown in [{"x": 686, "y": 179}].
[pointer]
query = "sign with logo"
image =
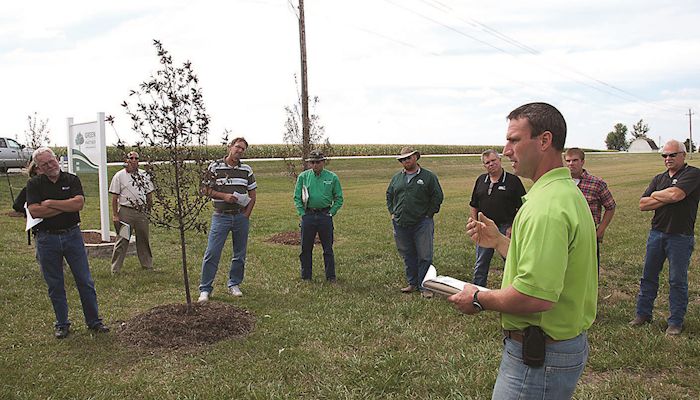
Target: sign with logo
[
  {"x": 87, "y": 154},
  {"x": 84, "y": 150}
]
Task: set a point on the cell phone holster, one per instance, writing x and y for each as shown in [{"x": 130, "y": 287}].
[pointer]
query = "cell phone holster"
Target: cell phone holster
[{"x": 533, "y": 346}]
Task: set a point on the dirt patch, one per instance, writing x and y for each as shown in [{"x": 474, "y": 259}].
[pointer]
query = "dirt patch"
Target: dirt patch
[
  {"x": 292, "y": 238},
  {"x": 96, "y": 238},
  {"x": 15, "y": 214},
  {"x": 177, "y": 326}
]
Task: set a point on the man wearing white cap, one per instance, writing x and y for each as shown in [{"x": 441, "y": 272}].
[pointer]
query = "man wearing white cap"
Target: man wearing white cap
[{"x": 414, "y": 195}]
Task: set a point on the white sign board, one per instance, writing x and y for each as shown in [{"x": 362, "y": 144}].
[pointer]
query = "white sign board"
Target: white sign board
[{"x": 87, "y": 153}]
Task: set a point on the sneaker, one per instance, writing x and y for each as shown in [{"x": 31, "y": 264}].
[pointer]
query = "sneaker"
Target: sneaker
[
  {"x": 235, "y": 291},
  {"x": 639, "y": 321},
  {"x": 203, "y": 297},
  {"x": 99, "y": 328},
  {"x": 427, "y": 294},
  {"x": 674, "y": 330},
  {"x": 409, "y": 289},
  {"x": 62, "y": 332}
]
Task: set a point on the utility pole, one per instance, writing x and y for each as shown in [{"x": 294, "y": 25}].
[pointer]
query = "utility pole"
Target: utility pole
[
  {"x": 690, "y": 130},
  {"x": 306, "y": 137}
]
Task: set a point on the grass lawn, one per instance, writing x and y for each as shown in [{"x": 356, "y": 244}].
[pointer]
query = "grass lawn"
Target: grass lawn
[{"x": 358, "y": 339}]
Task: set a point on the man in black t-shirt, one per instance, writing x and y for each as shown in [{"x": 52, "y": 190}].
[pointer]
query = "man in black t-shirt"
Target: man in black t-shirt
[
  {"x": 673, "y": 195},
  {"x": 497, "y": 194},
  {"x": 57, "y": 198}
]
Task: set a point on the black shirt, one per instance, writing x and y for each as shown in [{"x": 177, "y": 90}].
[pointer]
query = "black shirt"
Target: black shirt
[
  {"x": 67, "y": 186},
  {"x": 677, "y": 217},
  {"x": 500, "y": 200}
]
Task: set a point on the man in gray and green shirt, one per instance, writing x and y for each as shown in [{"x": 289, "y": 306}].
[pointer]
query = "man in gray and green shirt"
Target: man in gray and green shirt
[
  {"x": 317, "y": 198},
  {"x": 414, "y": 195}
]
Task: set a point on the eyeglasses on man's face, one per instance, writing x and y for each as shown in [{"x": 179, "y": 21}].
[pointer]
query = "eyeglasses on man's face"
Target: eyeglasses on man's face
[
  {"x": 404, "y": 159},
  {"x": 672, "y": 155},
  {"x": 316, "y": 161},
  {"x": 133, "y": 158}
]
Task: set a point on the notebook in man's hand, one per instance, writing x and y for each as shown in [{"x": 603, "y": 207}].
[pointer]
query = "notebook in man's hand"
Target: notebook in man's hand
[{"x": 444, "y": 285}]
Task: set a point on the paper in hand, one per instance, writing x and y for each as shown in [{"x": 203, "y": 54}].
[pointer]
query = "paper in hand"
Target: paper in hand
[
  {"x": 124, "y": 230},
  {"x": 243, "y": 199},
  {"x": 31, "y": 221}
]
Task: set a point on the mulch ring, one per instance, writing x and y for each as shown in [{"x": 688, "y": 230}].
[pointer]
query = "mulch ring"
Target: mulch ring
[
  {"x": 177, "y": 326},
  {"x": 292, "y": 238}
]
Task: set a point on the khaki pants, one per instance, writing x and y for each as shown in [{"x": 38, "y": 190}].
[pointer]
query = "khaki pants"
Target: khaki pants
[{"x": 139, "y": 227}]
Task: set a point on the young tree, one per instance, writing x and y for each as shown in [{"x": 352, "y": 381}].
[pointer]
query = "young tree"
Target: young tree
[
  {"x": 617, "y": 139},
  {"x": 168, "y": 111},
  {"x": 37, "y": 132},
  {"x": 294, "y": 135},
  {"x": 640, "y": 129}
]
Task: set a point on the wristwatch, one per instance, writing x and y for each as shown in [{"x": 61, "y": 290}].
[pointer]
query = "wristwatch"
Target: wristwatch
[{"x": 475, "y": 302}]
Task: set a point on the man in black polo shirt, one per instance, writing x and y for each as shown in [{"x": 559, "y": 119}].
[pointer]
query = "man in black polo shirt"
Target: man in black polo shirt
[
  {"x": 57, "y": 197},
  {"x": 673, "y": 195},
  {"x": 497, "y": 194}
]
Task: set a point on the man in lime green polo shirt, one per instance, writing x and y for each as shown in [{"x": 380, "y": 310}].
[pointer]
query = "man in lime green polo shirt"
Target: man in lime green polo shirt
[
  {"x": 317, "y": 198},
  {"x": 549, "y": 291}
]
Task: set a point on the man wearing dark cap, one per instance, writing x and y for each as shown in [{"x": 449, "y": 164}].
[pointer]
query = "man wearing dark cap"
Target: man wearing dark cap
[
  {"x": 317, "y": 198},
  {"x": 414, "y": 195}
]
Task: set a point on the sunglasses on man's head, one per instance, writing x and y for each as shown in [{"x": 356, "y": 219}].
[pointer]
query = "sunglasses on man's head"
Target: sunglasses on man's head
[{"x": 672, "y": 155}]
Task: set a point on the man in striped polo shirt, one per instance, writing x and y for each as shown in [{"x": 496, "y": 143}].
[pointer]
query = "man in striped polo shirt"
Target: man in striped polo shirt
[{"x": 231, "y": 186}]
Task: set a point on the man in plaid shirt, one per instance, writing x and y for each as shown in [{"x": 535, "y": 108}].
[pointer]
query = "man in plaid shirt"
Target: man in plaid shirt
[{"x": 594, "y": 189}]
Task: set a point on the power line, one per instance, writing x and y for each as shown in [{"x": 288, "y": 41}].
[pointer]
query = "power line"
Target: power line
[{"x": 505, "y": 38}]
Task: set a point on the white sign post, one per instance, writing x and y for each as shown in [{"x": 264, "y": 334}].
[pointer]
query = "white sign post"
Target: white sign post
[{"x": 87, "y": 153}]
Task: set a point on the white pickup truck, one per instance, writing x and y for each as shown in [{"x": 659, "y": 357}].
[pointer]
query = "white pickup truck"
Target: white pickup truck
[{"x": 13, "y": 154}]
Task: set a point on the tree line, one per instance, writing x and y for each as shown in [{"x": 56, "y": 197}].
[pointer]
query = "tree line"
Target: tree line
[{"x": 617, "y": 138}]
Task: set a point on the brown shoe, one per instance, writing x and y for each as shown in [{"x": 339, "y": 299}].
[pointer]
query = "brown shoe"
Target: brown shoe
[
  {"x": 639, "y": 321},
  {"x": 674, "y": 330},
  {"x": 427, "y": 294},
  {"x": 409, "y": 289}
]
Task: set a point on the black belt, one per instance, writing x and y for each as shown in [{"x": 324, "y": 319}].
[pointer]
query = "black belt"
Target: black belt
[
  {"x": 229, "y": 212},
  {"x": 318, "y": 210},
  {"x": 518, "y": 336},
  {"x": 57, "y": 231}
]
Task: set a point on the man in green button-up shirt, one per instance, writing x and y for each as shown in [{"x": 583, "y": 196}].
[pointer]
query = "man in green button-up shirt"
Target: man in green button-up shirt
[
  {"x": 317, "y": 198},
  {"x": 414, "y": 195}
]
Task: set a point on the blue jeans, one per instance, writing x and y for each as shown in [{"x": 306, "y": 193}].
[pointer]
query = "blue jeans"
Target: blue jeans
[
  {"x": 221, "y": 225},
  {"x": 415, "y": 245},
  {"x": 311, "y": 224},
  {"x": 483, "y": 260},
  {"x": 51, "y": 249},
  {"x": 677, "y": 248},
  {"x": 556, "y": 379}
]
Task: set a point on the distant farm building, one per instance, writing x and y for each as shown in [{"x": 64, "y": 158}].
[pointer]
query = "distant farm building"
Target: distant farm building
[{"x": 643, "y": 145}]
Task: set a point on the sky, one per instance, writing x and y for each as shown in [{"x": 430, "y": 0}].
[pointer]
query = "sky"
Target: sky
[{"x": 385, "y": 71}]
